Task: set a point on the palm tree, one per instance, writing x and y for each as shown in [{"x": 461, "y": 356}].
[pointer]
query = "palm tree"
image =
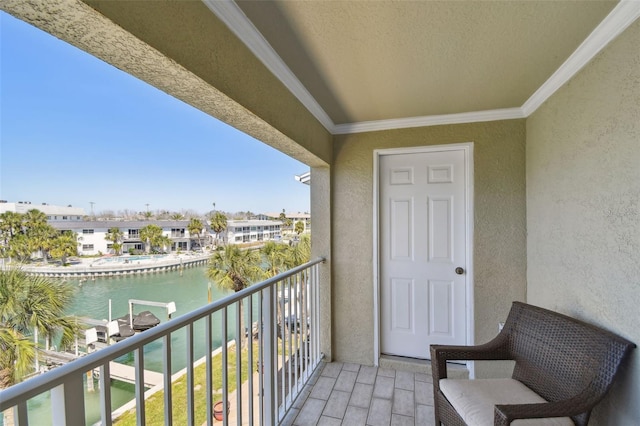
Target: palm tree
[
  {"x": 63, "y": 246},
  {"x": 38, "y": 231},
  {"x": 300, "y": 252},
  {"x": 275, "y": 261},
  {"x": 163, "y": 241},
  {"x": 10, "y": 225},
  {"x": 275, "y": 258},
  {"x": 18, "y": 247},
  {"x": 115, "y": 235},
  {"x": 31, "y": 305},
  {"x": 17, "y": 354},
  {"x": 288, "y": 223},
  {"x": 218, "y": 223},
  {"x": 235, "y": 269},
  {"x": 177, "y": 216},
  {"x": 299, "y": 227},
  {"x": 195, "y": 228},
  {"x": 151, "y": 235},
  {"x": 34, "y": 218}
]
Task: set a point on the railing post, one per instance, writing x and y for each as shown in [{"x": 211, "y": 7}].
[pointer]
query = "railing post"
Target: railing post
[
  {"x": 138, "y": 361},
  {"x": 20, "y": 416},
  {"x": 105, "y": 393},
  {"x": 65, "y": 409},
  {"x": 269, "y": 369}
]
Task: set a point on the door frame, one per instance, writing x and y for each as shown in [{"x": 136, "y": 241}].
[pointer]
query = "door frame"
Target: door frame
[{"x": 467, "y": 148}]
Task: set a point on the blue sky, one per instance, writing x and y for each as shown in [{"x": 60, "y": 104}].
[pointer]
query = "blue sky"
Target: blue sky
[{"x": 74, "y": 129}]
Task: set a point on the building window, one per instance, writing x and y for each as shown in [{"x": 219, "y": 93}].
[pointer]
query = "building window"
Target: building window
[
  {"x": 64, "y": 217},
  {"x": 87, "y": 247},
  {"x": 134, "y": 233},
  {"x": 87, "y": 231},
  {"x": 177, "y": 232}
]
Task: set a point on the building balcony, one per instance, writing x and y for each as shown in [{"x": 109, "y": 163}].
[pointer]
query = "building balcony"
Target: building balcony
[
  {"x": 353, "y": 394},
  {"x": 284, "y": 317}
]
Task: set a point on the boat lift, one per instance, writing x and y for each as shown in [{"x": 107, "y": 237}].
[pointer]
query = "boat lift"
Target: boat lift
[{"x": 170, "y": 307}]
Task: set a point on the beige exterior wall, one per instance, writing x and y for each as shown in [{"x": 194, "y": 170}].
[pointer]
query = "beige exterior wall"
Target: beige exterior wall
[
  {"x": 500, "y": 245},
  {"x": 583, "y": 206},
  {"x": 321, "y": 247}
]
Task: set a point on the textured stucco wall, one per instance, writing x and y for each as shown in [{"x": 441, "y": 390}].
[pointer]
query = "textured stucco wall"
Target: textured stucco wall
[
  {"x": 499, "y": 249},
  {"x": 184, "y": 50},
  {"x": 583, "y": 206},
  {"x": 321, "y": 247}
]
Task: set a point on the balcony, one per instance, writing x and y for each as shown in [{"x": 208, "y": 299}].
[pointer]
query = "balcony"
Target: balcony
[
  {"x": 287, "y": 352},
  {"x": 353, "y": 394}
]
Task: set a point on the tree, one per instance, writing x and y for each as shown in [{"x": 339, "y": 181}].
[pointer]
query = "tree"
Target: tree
[
  {"x": 38, "y": 232},
  {"x": 29, "y": 306},
  {"x": 218, "y": 223},
  {"x": 288, "y": 222},
  {"x": 19, "y": 248},
  {"x": 147, "y": 215},
  {"x": 196, "y": 228},
  {"x": 63, "y": 246},
  {"x": 177, "y": 216},
  {"x": 235, "y": 269},
  {"x": 299, "y": 227},
  {"x": 300, "y": 252},
  {"x": 163, "y": 242},
  {"x": 276, "y": 260},
  {"x": 10, "y": 225},
  {"x": 275, "y": 257},
  {"x": 115, "y": 235},
  {"x": 152, "y": 236},
  {"x": 17, "y": 354}
]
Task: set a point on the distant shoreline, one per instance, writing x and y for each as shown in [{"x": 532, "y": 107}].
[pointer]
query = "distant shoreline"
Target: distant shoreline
[{"x": 86, "y": 268}]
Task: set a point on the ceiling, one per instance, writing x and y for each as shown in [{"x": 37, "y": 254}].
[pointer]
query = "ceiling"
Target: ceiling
[
  {"x": 361, "y": 65},
  {"x": 358, "y": 65}
]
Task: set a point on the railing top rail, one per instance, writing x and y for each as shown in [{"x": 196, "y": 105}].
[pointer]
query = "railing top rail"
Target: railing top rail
[{"x": 36, "y": 385}]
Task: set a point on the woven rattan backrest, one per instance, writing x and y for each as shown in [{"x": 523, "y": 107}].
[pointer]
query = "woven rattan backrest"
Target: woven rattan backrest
[{"x": 558, "y": 356}]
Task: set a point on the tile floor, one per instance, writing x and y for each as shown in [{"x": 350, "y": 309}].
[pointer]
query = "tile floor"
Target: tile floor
[{"x": 351, "y": 394}]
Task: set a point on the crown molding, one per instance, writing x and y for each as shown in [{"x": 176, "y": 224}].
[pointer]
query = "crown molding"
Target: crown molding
[
  {"x": 235, "y": 19},
  {"x": 430, "y": 120},
  {"x": 623, "y": 15}
]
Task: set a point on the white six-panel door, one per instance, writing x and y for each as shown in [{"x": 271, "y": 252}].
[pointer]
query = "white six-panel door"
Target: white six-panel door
[{"x": 422, "y": 251}]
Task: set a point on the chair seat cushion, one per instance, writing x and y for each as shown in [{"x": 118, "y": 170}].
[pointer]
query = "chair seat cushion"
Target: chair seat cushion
[{"x": 474, "y": 400}]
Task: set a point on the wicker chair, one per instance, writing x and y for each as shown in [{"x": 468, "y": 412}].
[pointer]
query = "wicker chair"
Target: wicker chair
[{"x": 569, "y": 363}]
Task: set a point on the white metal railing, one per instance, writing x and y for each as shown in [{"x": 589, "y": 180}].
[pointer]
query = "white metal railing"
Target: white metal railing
[{"x": 284, "y": 325}]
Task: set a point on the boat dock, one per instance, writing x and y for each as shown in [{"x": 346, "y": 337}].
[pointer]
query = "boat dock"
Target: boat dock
[
  {"x": 126, "y": 373},
  {"x": 118, "y": 371}
]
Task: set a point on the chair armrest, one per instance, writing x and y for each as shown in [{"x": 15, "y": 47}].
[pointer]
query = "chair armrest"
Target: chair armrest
[
  {"x": 504, "y": 414},
  {"x": 495, "y": 349}
]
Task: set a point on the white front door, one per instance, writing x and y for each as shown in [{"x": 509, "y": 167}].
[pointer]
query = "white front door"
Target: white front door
[{"x": 422, "y": 250}]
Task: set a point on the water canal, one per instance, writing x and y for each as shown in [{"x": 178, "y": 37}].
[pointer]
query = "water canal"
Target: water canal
[{"x": 187, "y": 289}]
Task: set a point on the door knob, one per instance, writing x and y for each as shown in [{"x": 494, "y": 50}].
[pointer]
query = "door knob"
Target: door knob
[{"x": 459, "y": 270}]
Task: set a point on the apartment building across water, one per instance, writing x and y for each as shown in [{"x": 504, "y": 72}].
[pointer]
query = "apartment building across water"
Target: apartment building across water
[{"x": 91, "y": 234}]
